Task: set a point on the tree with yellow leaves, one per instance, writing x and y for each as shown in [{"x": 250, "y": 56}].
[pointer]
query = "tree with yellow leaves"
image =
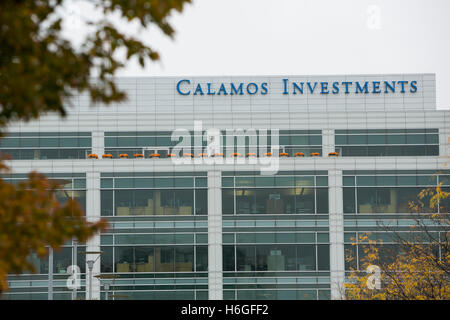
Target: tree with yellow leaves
[{"x": 418, "y": 269}]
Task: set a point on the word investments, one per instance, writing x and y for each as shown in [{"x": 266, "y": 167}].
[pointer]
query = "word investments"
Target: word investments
[{"x": 186, "y": 87}]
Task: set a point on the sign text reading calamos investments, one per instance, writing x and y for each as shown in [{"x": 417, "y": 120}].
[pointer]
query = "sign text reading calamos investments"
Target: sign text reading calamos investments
[{"x": 186, "y": 87}]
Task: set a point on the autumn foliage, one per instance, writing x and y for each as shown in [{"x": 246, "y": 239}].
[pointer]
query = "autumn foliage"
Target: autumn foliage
[
  {"x": 40, "y": 71},
  {"x": 419, "y": 269},
  {"x": 31, "y": 218}
]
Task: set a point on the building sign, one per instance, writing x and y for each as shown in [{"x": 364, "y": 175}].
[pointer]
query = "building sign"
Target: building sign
[{"x": 186, "y": 87}]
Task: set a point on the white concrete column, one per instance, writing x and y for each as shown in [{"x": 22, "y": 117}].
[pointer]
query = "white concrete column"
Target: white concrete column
[
  {"x": 337, "y": 253},
  {"x": 93, "y": 245},
  {"x": 98, "y": 143},
  {"x": 327, "y": 142},
  {"x": 215, "y": 274}
]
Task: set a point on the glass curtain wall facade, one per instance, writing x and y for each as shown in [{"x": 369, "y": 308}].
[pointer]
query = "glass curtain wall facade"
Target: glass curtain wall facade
[
  {"x": 200, "y": 229},
  {"x": 158, "y": 242},
  {"x": 275, "y": 235},
  {"x": 30, "y": 286},
  {"x": 46, "y": 145},
  {"x": 377, "y": 202}
]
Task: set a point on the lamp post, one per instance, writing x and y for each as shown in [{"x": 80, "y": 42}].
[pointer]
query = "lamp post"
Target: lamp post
[
  {"x": 50, "y": 273},
  {"x": 108, "y": 280},
  {"x": 90, "y": 265},
  {"x": 75, "y": 263}
]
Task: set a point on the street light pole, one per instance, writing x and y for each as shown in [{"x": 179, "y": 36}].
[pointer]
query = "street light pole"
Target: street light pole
[
  {"x": 90, "y": 264},
  {"x": 75, "y": 263},
  {"x": 50, "y": 273}
]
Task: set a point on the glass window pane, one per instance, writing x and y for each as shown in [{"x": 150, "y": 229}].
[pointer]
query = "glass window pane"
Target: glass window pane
[
  {"x": 432, "y": 139},
  {"x": 299, "y": 140},
  {"x": 68, "y": 142},
  {"x": 146, "y": 141},
  {"x": 48, "y": 142},
  {"x": 341, "y": 140},
  {"x": 106, "y": 202},
  {"x": 164, "y": 257},
  {"x": 228, "y": 201},
  {"x": 415, "y": 139},
  {"x": 143, "y": 182},
  {"x": 245, "y": 238},
  {"x": 124, "y": 182},
  {"x": 265, "y": 237},
  {"x": 244, "y": 181},
  {"x": 427, "y": 180},
  {"x": 366, "y": 200},
  {"x": 184, "y": 259},
  {"x": 322, "y": 200},
  {"x": 264, "y": 181},
  {"x": 304, "y": 200},
  {"x": 357, "y": 139},
  {"x": 284, "y": 181},
  {"x": 386, "y": 180},
  {"x": 306, "y": 237},
  {"x": 285, "y": 237},
  {"x": 84, "y": 142},
  {"x": 79, "y": 183},
  {"x": 322, "y": 181},
  {"x": 201, "y": 259},
  {"x": 10, "y": 142},
  {"x": 304, "y": 181},
  {"x": 365, "y": 181},
  {"x": 406, "y": 180},
  {"x": 376, "y": 139},
  {"x": 323, "y": 257},
  {"x": 227, "y": 182},
  {"x": 245, "y": 201},
  {"x": 306, "y": 257},
  {"x": 396, "y": 139},
  {"x": 349, "y": 200},
  {"x": 184, "y": 182},
  {"x": 163, "y": 182},
  {"x": 245, "y": 258},
  {"x": 349, "y": 181},
  {"x": 201, "y": 201},
  {"x": 126, "y": 141},
  {"x": 201, "y": 183},
  {"x": 106, "y": 259},
  {"x": 110, "y": 142},
  {"x": 315, "y": 140},
  {"x": 228, "y": 258},
  {"x": 106, "y": 183}
]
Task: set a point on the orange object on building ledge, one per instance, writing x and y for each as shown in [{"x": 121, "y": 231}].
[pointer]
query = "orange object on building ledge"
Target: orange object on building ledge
[
  {"x": 123, "y": 155},
  {"x": 188, "y": 155},
  {"x": 217, "y": 155},
  {"x": 299, "y": 154},
  {"x": 284, "y": 154},
  {"x": 315, "y": 154},
  {"x": 235, "y": 154},
  {"x": 92, "y": 156},
  {"x": 333, "y": 154},
  {"x": 171, "y": 155},
  {"x": 107, "y": 156},
  {"x": 202, "y": 154},
  {"x": 155, "y": 155},
  {"x": 138, "y": 155},
  {"x": 251, "y": 154},
  {"x": 268, "y": 154}
]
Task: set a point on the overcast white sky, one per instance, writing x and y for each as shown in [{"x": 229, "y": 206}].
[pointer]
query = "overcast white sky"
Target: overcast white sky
[{"x": 306, "y": 37}]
